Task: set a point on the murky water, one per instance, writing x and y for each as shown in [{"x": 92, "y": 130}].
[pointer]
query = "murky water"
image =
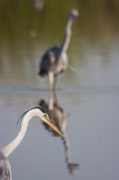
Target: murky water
[{"x": 86, "y": 99}]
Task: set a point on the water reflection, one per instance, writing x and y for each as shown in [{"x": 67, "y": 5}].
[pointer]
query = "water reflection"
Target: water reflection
[{"x": 59, "y": 118}]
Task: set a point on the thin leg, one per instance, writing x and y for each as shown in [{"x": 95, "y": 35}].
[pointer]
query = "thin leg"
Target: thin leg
[
  {"x": 51, "y": 101},
  {"x": 55, "y": 81},
  {"x": 55, "y": 99},
  {"x": 51, "y": 80}
]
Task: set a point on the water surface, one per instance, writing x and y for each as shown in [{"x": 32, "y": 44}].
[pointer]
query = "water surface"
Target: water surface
[{"x": 88, "y": 96}]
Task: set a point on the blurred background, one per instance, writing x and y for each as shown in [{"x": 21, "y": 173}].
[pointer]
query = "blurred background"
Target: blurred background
[
  {"x": 88, "y": 95},
  {"x": 27, "y": 31}
]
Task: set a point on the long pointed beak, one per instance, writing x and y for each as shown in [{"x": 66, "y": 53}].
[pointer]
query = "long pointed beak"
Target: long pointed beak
[{"x": 53, "y": 126}]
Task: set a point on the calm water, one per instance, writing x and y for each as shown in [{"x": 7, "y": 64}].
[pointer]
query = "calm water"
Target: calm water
[{"x": 88, "y": 97}]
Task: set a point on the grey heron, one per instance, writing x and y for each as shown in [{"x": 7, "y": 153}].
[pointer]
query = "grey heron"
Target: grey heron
[
  {"x": 55, "y": 60},
  {"x": 40, "y": 113}
]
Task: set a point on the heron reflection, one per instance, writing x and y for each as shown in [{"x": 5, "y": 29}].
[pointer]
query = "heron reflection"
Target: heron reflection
[
  {"x": 59, "y": 118},
  {"x": 55, "y": 60}
]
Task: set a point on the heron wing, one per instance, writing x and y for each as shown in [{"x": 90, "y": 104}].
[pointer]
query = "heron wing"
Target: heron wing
[{"x": 49, "y": 59}]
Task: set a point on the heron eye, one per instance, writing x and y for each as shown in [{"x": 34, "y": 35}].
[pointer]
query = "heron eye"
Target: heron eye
[{"x": 45, "y": 115}]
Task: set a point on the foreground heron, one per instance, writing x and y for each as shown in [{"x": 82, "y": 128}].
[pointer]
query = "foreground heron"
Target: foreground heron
[
  {"x": 55, "y": 60},
  {"x": 40, "y": 113}
]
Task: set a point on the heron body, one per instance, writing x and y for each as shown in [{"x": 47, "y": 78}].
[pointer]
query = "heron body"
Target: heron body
[
  {"x": 5, "y": 169},
  {"x": 55, "y": 60},
  {"x": 40, "y": 113}
]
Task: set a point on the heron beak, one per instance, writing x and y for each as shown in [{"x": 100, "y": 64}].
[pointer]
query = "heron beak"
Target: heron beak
[{"x": 53, "y": 126}]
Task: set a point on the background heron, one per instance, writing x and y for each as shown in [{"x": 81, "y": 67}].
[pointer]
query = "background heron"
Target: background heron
[
  {"x": 39, "y": 112},
  {"x": 55, "y": 60}
]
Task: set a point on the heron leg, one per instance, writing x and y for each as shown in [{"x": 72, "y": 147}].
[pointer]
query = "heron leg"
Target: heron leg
[
  {"x": 51, "y": 101},
  {"x": 51, "y": 80},
  {"x": 55, "y": 80}
]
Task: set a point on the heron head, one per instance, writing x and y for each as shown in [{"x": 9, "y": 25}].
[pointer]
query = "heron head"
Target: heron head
[
  {"x": 74, "y": 13},
  {"x": 41, "y": 114},
  {"x": 45, "y": 118}
]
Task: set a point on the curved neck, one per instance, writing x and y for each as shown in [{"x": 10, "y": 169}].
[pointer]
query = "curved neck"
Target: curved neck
[
  {"x": 7, "y": 150},
  {"x": 67, "y": 38}
]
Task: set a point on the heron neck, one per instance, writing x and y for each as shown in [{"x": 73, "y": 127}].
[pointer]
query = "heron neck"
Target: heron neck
[
  {"x": 67, "y": 38},
  {"x": 7, "y": 150}
]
